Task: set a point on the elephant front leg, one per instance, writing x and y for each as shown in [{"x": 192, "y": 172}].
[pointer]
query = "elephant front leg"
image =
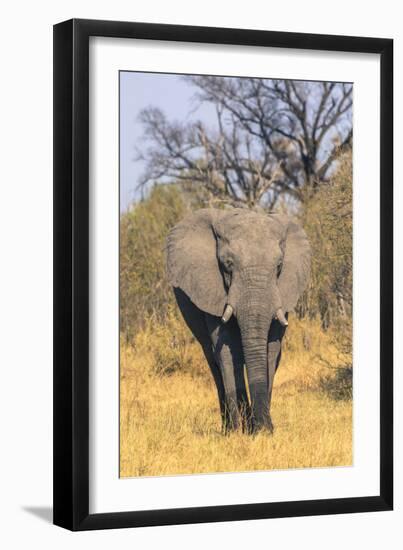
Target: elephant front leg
[
  {"x": 229, "y": 358},
  {"x": 276, "y": 334}
]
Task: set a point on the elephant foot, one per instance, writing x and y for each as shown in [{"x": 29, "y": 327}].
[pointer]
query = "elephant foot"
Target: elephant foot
[{"x": 263, "y": 425}]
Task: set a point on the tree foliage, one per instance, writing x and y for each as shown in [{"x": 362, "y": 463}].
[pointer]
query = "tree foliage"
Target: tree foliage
[
  {"x": 328, "y": 220},
  {"x": 144, "y": 290}
]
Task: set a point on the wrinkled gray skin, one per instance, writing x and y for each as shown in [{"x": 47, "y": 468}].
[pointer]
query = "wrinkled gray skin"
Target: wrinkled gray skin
[{"x": 259, "y": 265}]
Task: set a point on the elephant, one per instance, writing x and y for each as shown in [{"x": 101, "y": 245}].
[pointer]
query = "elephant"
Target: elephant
[{"x": 236, "y": 274}]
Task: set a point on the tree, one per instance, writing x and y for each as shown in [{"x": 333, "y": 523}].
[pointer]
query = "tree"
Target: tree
[{"x": 272, "y": 138}]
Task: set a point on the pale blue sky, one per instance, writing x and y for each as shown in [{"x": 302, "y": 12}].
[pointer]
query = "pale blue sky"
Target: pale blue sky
[{"x": 168, "y": 92}]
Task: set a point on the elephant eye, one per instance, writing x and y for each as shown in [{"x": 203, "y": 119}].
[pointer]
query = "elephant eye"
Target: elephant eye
[
  {"x": 228, "y": 264},
  {"x": 279, "y": 267}
]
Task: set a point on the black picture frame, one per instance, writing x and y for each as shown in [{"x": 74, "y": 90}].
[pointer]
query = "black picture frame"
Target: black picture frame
[{"x": 71, "y": 274}]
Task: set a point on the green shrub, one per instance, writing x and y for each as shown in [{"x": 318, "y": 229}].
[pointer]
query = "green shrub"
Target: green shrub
[{"x": 144, "y": 290}]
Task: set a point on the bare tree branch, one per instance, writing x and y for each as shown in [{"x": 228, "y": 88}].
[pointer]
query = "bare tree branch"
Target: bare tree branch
[{"x": 273, "y": 138}]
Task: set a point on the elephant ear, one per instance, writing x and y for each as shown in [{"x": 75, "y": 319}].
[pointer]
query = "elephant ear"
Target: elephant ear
[
  {"x": 296, "y": 264},
  {"x": 192, "y": 263}
]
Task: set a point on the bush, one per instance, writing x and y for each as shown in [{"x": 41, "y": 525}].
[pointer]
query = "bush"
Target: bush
[
  {"x": 327, "y": 218},
  {"x": 170, "y": 346},
  {"x": 144, "y": 290},
  {"x": 340, "y": 385}
]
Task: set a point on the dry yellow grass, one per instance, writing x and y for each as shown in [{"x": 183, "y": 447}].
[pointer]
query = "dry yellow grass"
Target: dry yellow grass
[{"x": 170, "y": 422}]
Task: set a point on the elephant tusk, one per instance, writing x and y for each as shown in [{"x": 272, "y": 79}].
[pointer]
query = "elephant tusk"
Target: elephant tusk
[
  {"x": 228, "y": 311},
  {"x": 281, "y": 317}
]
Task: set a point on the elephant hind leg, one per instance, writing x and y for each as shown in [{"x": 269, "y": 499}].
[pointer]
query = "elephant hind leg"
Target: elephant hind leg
[{"x": 215, "y": 371}]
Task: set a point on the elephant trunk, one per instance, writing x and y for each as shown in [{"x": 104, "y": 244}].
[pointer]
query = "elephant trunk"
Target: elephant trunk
[
  {"x": 255, "y": 311},
  {"x": 255, "y": 352}
]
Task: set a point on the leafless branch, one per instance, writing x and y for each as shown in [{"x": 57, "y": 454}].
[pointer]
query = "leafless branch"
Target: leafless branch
[{"x": 273, "y": 138}]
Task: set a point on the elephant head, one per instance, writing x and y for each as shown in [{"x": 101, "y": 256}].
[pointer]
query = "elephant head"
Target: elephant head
[{"x": 247, "y": 264}]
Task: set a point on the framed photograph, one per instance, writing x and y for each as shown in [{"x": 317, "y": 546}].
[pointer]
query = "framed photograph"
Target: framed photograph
[{"x": 223, "y": 319}]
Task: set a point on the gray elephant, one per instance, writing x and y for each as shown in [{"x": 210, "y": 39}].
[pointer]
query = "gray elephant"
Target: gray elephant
[{"x": 236, "y": 274}]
